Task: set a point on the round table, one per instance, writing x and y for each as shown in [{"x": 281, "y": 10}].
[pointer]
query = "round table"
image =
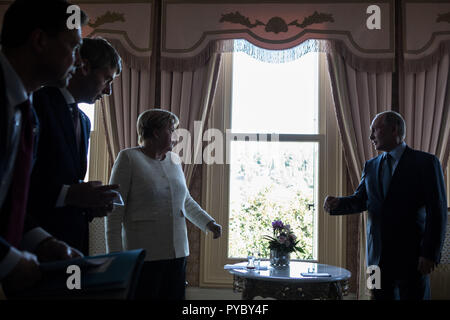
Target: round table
[{"x": 288, "y": 283}]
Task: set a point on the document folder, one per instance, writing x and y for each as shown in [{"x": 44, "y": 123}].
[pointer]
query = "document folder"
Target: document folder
[{"x": 110, "y": 276}]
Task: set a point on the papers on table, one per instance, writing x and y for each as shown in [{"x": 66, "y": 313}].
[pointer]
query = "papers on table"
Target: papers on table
[
  {"x": 315, "y": 275},
  {"x": 303, "y": 274},
  {"x": 242, "y": 267}
]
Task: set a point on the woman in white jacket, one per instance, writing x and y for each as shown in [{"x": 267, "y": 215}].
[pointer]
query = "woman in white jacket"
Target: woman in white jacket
[{"x": 157, "y": 201}]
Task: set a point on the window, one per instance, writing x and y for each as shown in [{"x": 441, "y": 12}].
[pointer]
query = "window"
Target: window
[
  {"x": 97, "y": 168},
  {"x": 291, "y": 104},
  {"x": 271, "y": 180},
  {"x": 89, "y": 110}
]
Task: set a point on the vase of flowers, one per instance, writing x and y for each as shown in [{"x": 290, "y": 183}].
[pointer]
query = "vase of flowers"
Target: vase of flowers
[{"x": 281, "y": 244}]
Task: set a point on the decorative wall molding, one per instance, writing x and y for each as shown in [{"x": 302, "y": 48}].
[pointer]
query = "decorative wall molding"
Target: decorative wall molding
[
  {"x": 426, "y": 33},
  {"x": 426, "y": 25},
  {"x": 189, "y": 26},
  {"x": 127, "y": 25}
]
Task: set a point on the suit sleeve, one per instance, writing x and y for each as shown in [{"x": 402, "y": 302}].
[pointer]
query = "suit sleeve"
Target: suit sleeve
[
  {"x": 121, "y": 175},
  {"x": 355, "y": 203},
  {"x": 436, "y": 212},
  {"x": 9, "y": 257},
  {"x": 4, "y": 248}
]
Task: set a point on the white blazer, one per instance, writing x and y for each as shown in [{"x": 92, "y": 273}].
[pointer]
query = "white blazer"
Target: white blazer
[{"x": 157, "y": 201}]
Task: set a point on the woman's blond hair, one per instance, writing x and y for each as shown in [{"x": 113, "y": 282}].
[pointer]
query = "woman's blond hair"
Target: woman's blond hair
[{"x": 152, "y": 119}]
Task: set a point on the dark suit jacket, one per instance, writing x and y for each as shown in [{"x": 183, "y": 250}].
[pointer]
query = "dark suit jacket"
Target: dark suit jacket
[
  {"x": 9, "y": 139},
  {"x": 59, "y": 162},
  {"x": 411, "y": 220}
]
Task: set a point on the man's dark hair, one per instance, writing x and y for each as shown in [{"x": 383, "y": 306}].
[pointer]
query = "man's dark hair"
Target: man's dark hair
[
  {"x": 24, "y": 16},
  {"x": 100, "y": 54}
]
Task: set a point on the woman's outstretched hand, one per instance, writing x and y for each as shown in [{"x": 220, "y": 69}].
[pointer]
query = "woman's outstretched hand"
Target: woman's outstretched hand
[{"x": 215, "y": 228}]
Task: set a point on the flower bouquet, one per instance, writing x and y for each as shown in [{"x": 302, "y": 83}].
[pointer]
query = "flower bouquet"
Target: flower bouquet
[{"x": 281, "y": 244}]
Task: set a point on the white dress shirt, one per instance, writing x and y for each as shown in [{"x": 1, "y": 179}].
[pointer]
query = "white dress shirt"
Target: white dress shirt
[{"x": 157, "y": 201}]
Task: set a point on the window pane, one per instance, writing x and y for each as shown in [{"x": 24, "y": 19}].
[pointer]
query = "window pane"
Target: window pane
[
  {"x": 275, "y": 98},
  {"x": 90, "y": 111},
  {"x": 272, "y": 181}
]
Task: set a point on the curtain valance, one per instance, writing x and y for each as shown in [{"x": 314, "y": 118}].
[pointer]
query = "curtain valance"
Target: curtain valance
[
  {"x": 426, "y": 33},
  {"x": 361, "y": 29},
  {"x": 128, "y": 26}
]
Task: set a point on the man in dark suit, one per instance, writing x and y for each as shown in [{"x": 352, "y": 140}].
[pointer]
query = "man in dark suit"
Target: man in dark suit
[
  {"x": 37, "y": 48},
  {"x": 65, "y": 206},
  {"x": 404, "y": 193}
]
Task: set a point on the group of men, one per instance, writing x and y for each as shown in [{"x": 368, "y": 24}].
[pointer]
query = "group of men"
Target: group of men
[{"x": 46, "y": 69}]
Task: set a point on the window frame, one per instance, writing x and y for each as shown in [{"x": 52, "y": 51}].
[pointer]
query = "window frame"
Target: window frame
[{"x": 330, "y": 231}]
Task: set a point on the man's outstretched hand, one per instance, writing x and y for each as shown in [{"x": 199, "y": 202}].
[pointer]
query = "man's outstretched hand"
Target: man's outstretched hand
[{"x": 331, "y": 203}]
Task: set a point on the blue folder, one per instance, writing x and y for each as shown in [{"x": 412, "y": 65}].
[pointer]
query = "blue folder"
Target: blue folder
[{"x": 117, "y": 272}]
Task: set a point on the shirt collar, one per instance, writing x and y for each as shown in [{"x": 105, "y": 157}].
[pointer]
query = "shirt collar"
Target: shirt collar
[
  {"x": 15, "y": 90},
  {"x": 397, "y": 152},
  {"x": 67, "y": 96}
]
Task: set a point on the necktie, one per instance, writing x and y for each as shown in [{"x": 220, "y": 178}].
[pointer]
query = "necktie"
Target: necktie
[
  {"x": 386, "y": 173},
  {"x": 73, "y": 107},
  {"x": 21, "y": 177}
]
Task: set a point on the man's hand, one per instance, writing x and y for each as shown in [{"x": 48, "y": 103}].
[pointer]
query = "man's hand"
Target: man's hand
[
  {"x": 330, "y": 203},
  {"x": 52, "y": 249},
  {"x": 425, "y": 266},
  {"x": 90, "y": 194},
  {"x": 24, "y": 276},
  {"x": 215, "y": 228}
]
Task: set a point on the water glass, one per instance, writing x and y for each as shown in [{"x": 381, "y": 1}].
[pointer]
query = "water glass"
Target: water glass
[
  {"x": 257, "y": 261},
  {"x": 251, "y": 262}
]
